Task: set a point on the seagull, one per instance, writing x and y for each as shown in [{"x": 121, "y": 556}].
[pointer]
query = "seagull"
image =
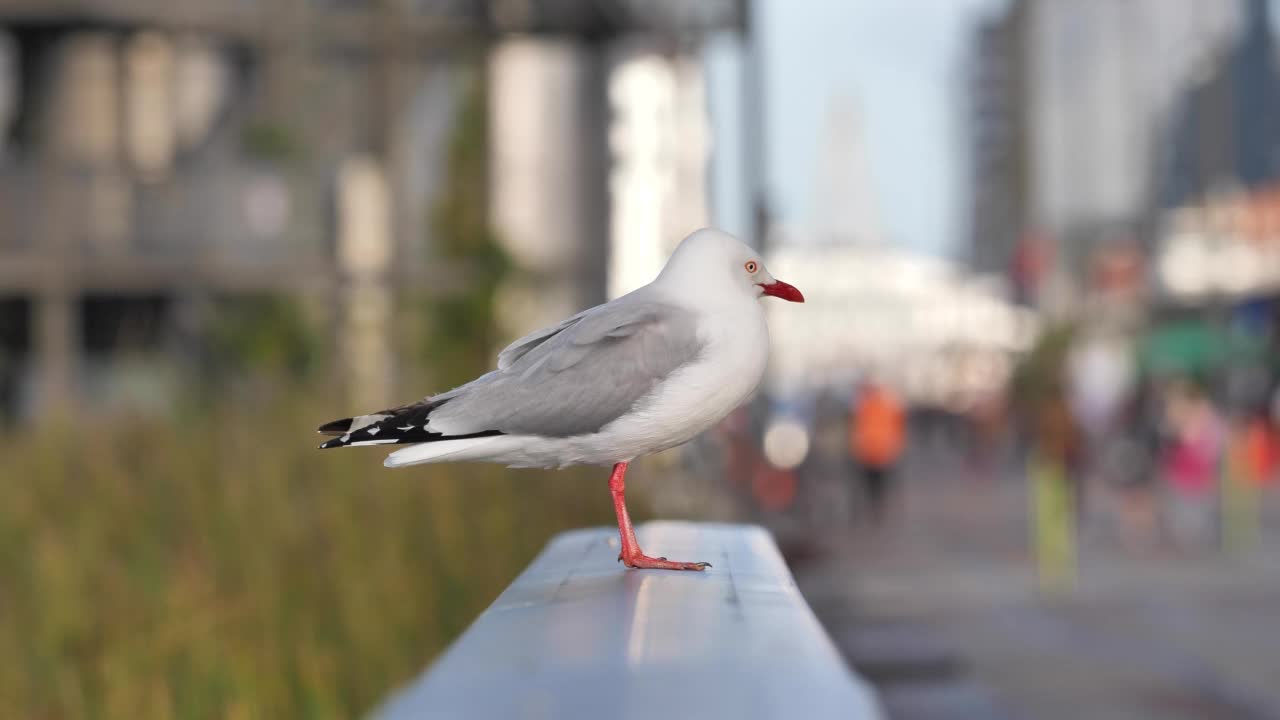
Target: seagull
[{"x": 634, "y": 376}]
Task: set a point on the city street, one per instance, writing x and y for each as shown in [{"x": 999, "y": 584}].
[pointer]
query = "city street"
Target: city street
[{"x": 942, "y": 611}]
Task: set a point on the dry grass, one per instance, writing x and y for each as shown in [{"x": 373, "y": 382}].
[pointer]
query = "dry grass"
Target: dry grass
[{"x": 219, "y": 566}]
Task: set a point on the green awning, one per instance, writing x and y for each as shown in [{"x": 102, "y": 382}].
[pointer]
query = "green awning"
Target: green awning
[{"x": 1192, "y": 346}]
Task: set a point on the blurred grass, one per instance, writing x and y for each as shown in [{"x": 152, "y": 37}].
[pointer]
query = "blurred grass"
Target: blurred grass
[
  {"x": 219, "y": 566},
  {"x": 215, "y": 565}
]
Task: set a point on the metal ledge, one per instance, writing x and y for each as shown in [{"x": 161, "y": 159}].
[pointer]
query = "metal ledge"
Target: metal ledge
[{"x": 578, "y": 636}]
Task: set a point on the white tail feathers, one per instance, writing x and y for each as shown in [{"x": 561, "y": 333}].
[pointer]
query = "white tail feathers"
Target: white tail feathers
[{"x": 443, "y": 451}]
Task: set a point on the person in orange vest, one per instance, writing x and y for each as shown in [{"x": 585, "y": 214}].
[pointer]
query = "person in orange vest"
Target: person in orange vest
[
  {"x": 877, "y": 437},
  {"x": 1258, "y": 451}
]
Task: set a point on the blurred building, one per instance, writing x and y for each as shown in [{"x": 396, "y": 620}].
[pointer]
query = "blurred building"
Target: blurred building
[
  {"x": 601, "y": 141},
  {"x": 660, "y": 145},
  {"x": 846, "y": 206},
  {"x": 156, "y": 158},
  {"x": 937, "y": 332},
  {"x": 1223, "y": 131},
  {"x": 995, "y": 121},
  {"x": 160, "y": 157},
  {"x": 1065, "y": 113},
  {"x": 1217, "y": 238}
]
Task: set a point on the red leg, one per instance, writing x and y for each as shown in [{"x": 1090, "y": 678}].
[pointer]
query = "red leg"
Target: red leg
[{"x": 631, "y": 556}]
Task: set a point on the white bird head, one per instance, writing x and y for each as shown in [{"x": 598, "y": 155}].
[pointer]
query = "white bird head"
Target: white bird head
[{"x": 713, "y": 263}]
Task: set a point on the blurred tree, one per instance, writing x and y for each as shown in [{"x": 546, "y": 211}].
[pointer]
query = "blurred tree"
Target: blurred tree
[
  {"x": 269, "y": 336},
  {"x": 461, "y": 328},
  {"x": 270, "y": 143},
  {"x": 1041, "y": 374}
]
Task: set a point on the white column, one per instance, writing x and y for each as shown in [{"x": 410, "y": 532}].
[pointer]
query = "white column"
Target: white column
[{"x": 364, "y": 258}]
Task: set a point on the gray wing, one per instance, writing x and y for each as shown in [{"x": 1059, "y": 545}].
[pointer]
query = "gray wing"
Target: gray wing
[
  {"x": 576, "y": 377},
  {"x": 521, "y": 347}
]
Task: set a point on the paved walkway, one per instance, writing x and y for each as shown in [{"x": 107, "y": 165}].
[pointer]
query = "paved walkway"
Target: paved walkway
[{"x": 942, "y": 611}]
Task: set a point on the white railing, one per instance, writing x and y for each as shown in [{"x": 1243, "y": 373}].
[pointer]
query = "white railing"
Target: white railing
[{"x": 577, "y": 636}]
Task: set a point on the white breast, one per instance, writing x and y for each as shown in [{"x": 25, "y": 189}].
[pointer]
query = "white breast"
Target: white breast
[{"x": 695, "y": 397}]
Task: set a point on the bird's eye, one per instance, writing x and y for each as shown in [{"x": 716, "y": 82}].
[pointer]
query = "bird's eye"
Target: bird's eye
[{"x": 752, "y": 266}]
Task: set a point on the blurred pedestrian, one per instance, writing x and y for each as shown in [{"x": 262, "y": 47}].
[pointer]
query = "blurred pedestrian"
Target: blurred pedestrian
[
  {"x": 989, "y": 420},
  {"x": 1101, "y": 374},
  {"x": 1129, "y": 467},
  {"x": 1259, "y": 453},
  {"x": 877, "y": 437},
  {"x": 1056, "y": 491},
  {"x": 1192, "y": 456},
  {"x": 1249, "y": 465},
  {"x": 1059, "y": 440}
]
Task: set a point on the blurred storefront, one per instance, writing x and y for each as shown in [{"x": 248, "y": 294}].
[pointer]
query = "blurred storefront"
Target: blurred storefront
[{"x": 940, "y": 334}]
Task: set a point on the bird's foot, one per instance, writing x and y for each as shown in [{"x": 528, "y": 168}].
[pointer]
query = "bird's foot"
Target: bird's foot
[{"x": 640, "y": 561}]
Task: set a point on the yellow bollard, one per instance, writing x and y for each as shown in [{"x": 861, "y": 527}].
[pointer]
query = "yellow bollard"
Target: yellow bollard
[
  {"x": 1053, "y": 509},
  {"x": 1239, "y": 506}
]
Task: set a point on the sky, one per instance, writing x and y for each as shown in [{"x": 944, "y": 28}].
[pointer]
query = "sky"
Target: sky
[{"x": 893, "y": 65}]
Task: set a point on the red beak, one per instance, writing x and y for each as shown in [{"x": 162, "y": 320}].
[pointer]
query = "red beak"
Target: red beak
[{"x": 779, "y": 289}]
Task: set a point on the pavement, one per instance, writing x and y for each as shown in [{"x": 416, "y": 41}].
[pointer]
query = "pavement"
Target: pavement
[{"x": 942, "y": 610}]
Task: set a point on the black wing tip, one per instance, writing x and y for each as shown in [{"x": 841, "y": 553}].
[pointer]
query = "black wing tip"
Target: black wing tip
[
  {"x": 404, "y": 438},
  {"x": 400, "y": 426},
  {"x": 335, "y": 427}
]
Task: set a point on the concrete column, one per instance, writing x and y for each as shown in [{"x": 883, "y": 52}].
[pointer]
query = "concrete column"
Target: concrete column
[
  {"x": 57, "y": 352},
  {"x": 81, "y": 114},
  {"x": 549, "y": 193},
  {"x": 659, "y": 145},
  {"x": 365, "y": 253}
]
